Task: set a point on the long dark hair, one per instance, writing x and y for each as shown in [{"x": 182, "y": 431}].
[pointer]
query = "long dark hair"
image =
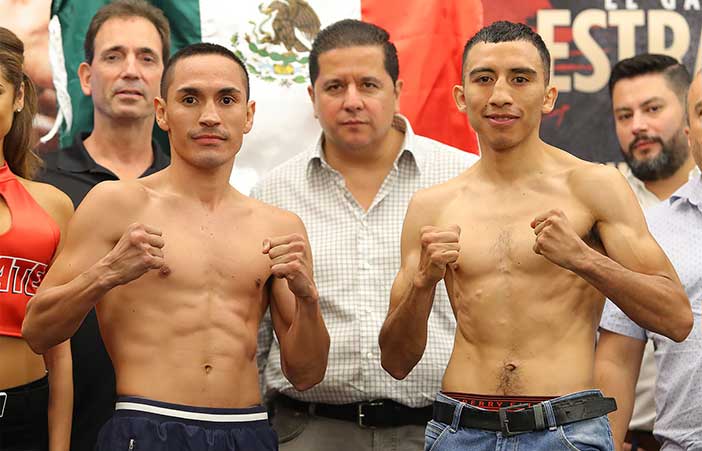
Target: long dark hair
[{"x": 19, "y": 141}]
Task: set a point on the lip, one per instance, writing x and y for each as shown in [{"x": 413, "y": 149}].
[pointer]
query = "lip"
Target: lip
[
  {"x": 353, "y": 123},
  {"x": 129, "y": 93},
  {"x": 207, "y": 139},
  {"x": 501, "y": 120},
  {"x": 644, "y": 144}
]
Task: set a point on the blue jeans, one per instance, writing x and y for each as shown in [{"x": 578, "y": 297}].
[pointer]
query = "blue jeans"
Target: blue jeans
[{"x": 587, "y": 435}]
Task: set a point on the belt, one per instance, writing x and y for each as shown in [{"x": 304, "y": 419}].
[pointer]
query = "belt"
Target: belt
[
  {"x": 521, "y": 418},
  {"x": 372, "y": 414}
]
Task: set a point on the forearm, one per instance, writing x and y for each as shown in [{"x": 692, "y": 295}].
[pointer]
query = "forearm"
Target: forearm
[
  {"x": 305, "y": 349},
  {"x": 403, "y": 336},
  {"x": 655, "y": 302},
  {"x": 54, "y": 314},
  {"x": 614, "y": 383},
  {"x": 60, "y": 367}
]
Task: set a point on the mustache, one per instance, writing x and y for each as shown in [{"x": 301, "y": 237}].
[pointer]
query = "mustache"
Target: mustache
[
  {"x": 138, "y": 87},
  {"x": 209, "y": 132},
  {"x": 640, "y": 138}
]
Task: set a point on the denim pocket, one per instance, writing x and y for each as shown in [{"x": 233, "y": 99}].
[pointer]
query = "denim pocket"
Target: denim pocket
[
  {"x": 587, "y": 435},
  {"x": 433, "y": 434}
]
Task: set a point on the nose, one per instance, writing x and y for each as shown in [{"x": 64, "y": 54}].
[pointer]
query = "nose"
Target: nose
[
  {"x": 501, "y": 93},
  {"x": 639, "y": 124},
  {"x": 209, "y": 117},
  {"x": 130, "y": 67},
  {"x": 352, "y": 98}
]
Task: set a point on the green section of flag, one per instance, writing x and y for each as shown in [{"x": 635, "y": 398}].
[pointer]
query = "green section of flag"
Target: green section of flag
[{"x": 75, "y": 16}]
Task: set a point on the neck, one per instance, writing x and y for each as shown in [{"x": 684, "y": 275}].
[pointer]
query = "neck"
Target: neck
[
  {"x": 511, "y": 164},
  {"x": 205, "y": 186},
  {"x": 119, "y": 144},
  {"x": 374, "y": 157},
  {"x": 664, "y": 188}
]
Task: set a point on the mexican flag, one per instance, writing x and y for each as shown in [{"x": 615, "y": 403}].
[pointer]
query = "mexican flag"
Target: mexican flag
[{"x": 429, "y": 35}]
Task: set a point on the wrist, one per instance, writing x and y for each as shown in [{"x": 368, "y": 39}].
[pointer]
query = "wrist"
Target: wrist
[
  {"x": 422, "y": 282},
  {"x": 585, "y": 261},
  {"x": 102, "y": 276}
]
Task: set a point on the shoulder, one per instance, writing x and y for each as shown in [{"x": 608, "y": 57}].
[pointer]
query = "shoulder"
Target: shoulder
[
  {"x": 113, "y": 197},
  {"x": 280, "y": 221},
  {"x": 54, "y": 201},
  {"x": 589, "y": 181},
  {"x": 429, "y": 202}
]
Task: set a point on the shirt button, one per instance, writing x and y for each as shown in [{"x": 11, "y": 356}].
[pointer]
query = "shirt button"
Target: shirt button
[
  {"x": 365, "y": 265},
  {"x": 369, "y": 356}
]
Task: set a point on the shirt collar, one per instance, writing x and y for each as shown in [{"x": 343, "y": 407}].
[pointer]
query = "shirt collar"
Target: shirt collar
[
  {"x": 316, "y": 158},
  {"x": 77, "y": 159},
  {"x": 690, "y": 192}
]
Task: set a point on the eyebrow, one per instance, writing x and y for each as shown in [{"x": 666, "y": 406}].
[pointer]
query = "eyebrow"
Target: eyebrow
[
  {"x": 195, "y": 91},
  {"x": 514, "y": 70},
  {"x": 121, "y": 48},
  {"x": 644, "y": 103}
]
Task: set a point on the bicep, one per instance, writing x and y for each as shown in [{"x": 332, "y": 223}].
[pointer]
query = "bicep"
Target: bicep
[
  {"x": 622, "y": 228},
  {"x": 282, "y": 300},
  {"x": 410, "y": 248},
  {"x": 87, "y": 237},
  {"x": 621, "y": 353}
]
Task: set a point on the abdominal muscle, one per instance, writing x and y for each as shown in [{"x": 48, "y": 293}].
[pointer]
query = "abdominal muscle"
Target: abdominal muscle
[
  {"x": 19, "y": 365},
  {"x": 539, "y": 342},
  {"x": 191, "y": 347}
]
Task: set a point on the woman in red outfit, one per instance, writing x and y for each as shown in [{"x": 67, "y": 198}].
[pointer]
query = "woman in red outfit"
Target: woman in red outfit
[{"x": 32, "y": 218}]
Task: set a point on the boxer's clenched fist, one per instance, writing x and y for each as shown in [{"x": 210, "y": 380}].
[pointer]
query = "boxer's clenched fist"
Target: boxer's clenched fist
[
  {"x": 139, "y": 250},
  {"x": 290, "y": 259},
  {"x": 556, "y": 240},
  {"x": 440, "y": 247}
]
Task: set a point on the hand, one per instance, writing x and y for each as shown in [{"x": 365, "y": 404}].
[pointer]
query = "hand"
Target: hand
[
  {"x": 290, "y": 260},
  {"x": 139, "y": 250},
  {"x": 556, "y": 240},
  {"x": 440, "y": 248}
]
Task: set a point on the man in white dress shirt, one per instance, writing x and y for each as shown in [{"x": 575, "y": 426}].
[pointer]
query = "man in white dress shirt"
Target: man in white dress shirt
[{"x": 352, "y": 191}]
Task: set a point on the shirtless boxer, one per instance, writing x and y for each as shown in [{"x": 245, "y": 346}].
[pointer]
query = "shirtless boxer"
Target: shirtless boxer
[
  {"x": 527, "y": 309},
  {"x": 181, "y": 268}
]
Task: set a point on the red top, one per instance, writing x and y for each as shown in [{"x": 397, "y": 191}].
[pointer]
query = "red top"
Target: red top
[{"x": 26, "y": 250}]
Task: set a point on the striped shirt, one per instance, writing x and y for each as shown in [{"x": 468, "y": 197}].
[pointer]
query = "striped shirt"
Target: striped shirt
[
  {"x": 356, "y": 258},
  {"x": 677, "y": 226}
]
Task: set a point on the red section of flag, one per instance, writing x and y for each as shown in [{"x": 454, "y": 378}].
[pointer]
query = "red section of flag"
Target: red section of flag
[{"x": 429, "y": 36}]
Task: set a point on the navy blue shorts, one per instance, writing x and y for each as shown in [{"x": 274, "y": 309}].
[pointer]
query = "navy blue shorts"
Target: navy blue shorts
[{"x": 141, "y": 424}]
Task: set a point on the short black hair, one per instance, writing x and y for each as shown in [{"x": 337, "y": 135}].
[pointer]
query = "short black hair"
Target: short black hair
[
  {"x": 505, "y": 31},
  {"x": 124, "y": 9},
  {"x": 350, "y": 33},
  {"x": 675, "y": 74},
  {"x": 201, "y": 48}
]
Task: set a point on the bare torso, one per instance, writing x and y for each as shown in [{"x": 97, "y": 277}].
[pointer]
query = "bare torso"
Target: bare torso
[
  {"x": 525, "y": 325},
  {"x": 188, "y": 336}
]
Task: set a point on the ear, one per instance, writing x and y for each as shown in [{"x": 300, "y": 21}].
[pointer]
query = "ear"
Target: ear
[
  {"x": 398, "y": 90},
  {"x": 161, "y": 116},
  {"x": 310, "y": 92},
  {"x": 687, "y": 134},
  {"x": 84, "y": 78},
  {"x": 549, "y": 99},
  {"x": 250, "y": 111},
  {"x": 19, "y": 99},
  {"x": 459, "y": 96}
]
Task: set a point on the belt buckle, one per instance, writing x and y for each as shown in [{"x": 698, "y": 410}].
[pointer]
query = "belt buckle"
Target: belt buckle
[
  {"x": 3, "y": 401},
  {"x": 504, "y": 421},
  {"x": 362, "y": 415}
]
